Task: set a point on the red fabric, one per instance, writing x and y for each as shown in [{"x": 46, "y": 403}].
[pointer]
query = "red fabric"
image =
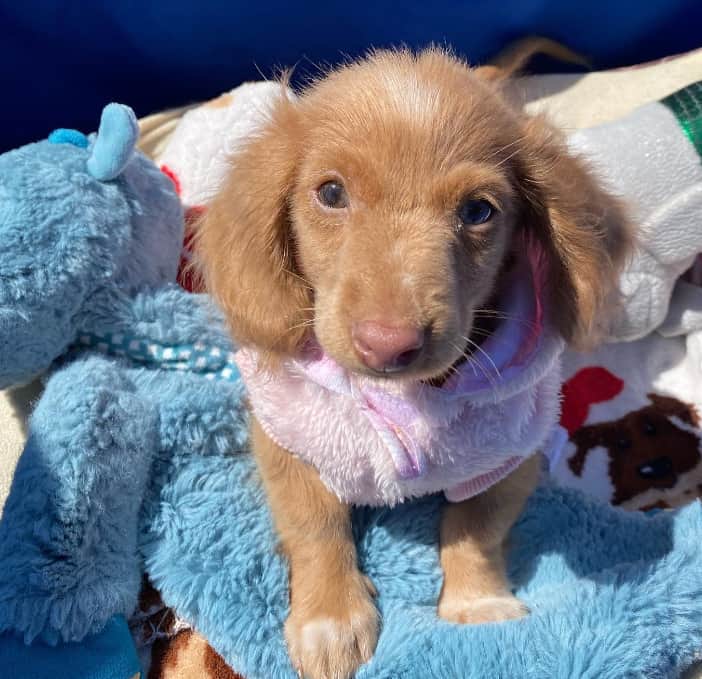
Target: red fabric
[
  {"x": 186, "y": 279},
  {"x": 587, "y": 386},
  {"x": 172, "y": 176}
]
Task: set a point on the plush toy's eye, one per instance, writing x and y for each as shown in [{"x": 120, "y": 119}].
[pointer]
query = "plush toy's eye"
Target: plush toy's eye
[
  {"x": 333, "y": 194},
  {"x": 624, "y": 443},
  {"x": 472, "y": 212}
]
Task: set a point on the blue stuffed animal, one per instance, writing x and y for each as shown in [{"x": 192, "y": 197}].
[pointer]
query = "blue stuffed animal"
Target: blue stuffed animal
[{"x": 140, "y": 374}]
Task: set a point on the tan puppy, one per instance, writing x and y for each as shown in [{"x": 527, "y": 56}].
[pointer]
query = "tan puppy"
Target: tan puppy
[{"x": 377, "y": 210}]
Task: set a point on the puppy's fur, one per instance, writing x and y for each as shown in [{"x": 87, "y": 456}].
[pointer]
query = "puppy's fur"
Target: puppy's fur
[{"x": 409, "y": 136}]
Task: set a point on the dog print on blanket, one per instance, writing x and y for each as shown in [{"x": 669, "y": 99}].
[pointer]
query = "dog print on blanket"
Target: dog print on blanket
[
  {"x": 655, "y": 447},
  {"x": 638, "y": 458}
]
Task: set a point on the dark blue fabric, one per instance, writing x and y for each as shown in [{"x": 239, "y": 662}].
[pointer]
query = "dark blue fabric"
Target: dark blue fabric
[
  {"x": 63, "y": 60},
  {"x": 109, "y": 654}
]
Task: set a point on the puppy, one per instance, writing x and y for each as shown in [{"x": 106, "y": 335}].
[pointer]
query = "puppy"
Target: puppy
[{"x": 374, "y": 225}]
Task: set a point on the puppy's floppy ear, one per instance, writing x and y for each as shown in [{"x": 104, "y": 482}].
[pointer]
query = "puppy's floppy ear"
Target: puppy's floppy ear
[
  {"x": 583, "y": 230},
  {"x": 245, "y": 247}
]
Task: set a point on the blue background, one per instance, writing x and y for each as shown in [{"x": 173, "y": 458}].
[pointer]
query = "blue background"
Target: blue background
[{"x": 62, "y": 60}]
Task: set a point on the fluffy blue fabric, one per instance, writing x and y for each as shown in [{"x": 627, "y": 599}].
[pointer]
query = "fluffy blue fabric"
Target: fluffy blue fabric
[
  {"x": 76, "y": 495},
  {"x": 613, "y": 594},
  {"x": 83, "y": 255},
  {"x": 104, "y": 428}
]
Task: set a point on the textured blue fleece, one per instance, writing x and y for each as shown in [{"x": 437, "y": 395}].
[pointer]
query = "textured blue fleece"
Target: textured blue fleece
[
  {"x": 85, "y": 255},
  {"x": 613, "y": 594},
  {"x": 104, "y": 436},
  {"x": 76, "y": 494}
]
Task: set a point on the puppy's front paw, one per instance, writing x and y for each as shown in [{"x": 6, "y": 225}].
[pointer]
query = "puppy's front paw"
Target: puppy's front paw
[
  {"x": 331, "y": 637},
  {"x": 475, "y": 611}
]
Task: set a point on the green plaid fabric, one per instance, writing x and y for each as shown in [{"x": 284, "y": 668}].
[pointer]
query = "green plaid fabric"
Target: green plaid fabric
[{"x": 686, "y": 104}]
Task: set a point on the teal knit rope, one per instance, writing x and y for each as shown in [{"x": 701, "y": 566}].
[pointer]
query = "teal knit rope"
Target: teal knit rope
[{"x": 212, "y": 361}]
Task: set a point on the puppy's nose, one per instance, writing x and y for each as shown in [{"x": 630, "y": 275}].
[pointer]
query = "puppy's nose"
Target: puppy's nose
[{"x": 386, "y": 348}]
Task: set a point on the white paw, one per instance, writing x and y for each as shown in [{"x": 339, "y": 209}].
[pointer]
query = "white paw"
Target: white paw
[
  {"x": 333, "y": 646},
  {"x": 467, "y": 611}
]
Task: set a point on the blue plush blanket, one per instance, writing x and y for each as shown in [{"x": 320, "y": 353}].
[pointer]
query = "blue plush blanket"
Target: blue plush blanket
[{"x": 612, "y": 594}]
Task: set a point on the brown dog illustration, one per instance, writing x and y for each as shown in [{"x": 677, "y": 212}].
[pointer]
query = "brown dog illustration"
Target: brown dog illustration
[{"x": 647, "y": 448}]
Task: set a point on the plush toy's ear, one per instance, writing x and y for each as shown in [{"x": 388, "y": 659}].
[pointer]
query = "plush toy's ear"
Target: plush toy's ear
[
  {"x": 73, "y": 137},
  {"x": 115, "y": 142}
]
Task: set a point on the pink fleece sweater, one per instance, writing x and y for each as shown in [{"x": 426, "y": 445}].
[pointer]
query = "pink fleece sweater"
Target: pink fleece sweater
[{"x": 377, "y": 442}]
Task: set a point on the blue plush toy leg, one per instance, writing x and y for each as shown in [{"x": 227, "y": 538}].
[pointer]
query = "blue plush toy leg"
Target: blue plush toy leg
[{"x": 68, "y": 535}]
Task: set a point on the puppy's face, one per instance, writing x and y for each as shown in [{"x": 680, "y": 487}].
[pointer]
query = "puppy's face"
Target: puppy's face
[
  {"x": 401, "y": 214},
  {"x": 378, "y": 209}
]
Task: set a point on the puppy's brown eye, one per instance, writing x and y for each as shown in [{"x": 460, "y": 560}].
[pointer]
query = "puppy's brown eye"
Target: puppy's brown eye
[
  {"x": 333, "y": 194},
  {"x": 472, "y": 212}
]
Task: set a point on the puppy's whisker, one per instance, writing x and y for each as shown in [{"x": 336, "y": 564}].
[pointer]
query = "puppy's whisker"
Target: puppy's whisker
[
  {"x": 520, "y": 321},
  {"x": 299, "y": 278},
  {"x": 485, "y": 334},
  {"x": 304, "y": 324},
  {"x": 489, "y": 313},
  {"x": 508, "y": 158},
  {"x": 497, "y": 314},
  {"x": 308, "y": 322},
  {"x": 502, "y": 149},
  {"x": 470, "y": 359},
  {"x": 484, "y": 353}
]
